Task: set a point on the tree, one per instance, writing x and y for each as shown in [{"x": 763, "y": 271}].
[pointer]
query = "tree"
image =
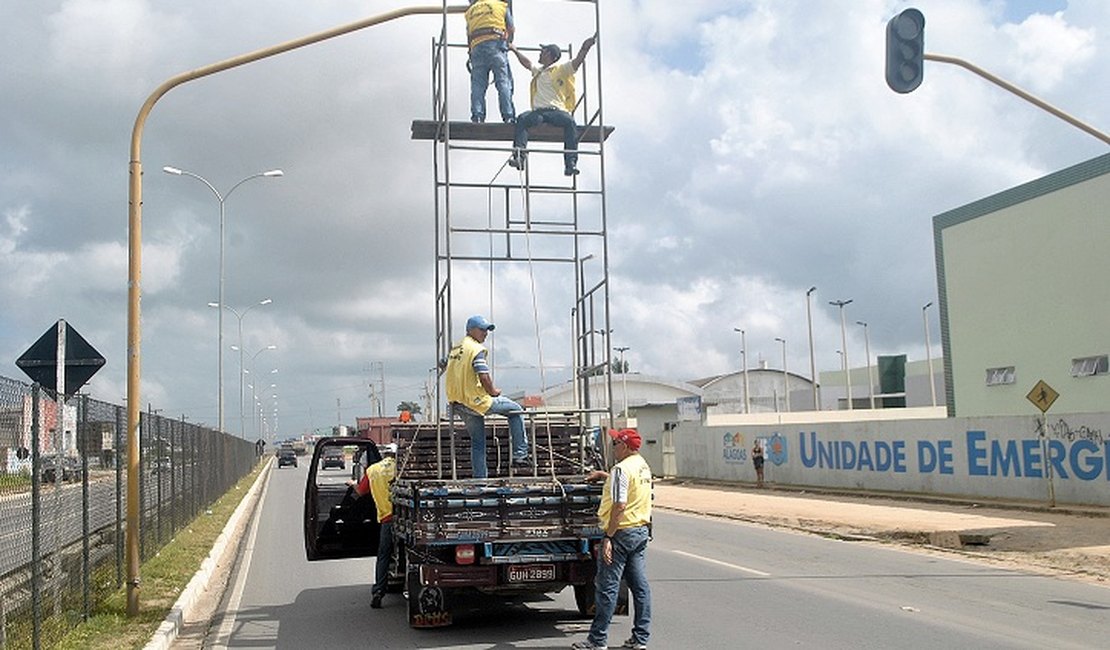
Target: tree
[
  {"x": 411, "y": 407},
  {"x": 618, "y": 368}
]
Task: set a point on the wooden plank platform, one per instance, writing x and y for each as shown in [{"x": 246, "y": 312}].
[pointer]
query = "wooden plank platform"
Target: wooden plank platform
[{"x": 501, "y": 132}]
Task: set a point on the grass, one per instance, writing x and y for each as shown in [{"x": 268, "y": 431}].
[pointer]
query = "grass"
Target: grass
[{"x": 163, "y": 577}]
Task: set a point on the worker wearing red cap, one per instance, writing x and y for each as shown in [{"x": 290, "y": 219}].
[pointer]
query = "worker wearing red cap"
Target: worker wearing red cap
[{"x": 625, "y": 517}]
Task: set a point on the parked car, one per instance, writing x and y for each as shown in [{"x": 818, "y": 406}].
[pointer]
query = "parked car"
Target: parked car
[
  {"x": 70, "y": 468},
  {"x": 287, "y": 457},
  {"x": 333, "y": 457}
]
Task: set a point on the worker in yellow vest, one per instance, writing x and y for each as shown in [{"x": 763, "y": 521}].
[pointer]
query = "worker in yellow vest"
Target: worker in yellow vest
[
  {"x": 553, "y": 101},
  {"x": 376, "y": 482},
  {"x": 469, "y": 384},
  {"x": 489, "y": 30},
  {"x": 625, "y": 518}
]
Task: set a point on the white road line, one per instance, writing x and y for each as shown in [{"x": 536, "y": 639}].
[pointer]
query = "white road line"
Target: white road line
[
  {"x": 745, "y": 569},
  {"x": 227, "y": 626}
]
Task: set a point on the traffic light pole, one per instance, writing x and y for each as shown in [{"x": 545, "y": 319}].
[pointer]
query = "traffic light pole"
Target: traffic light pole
[{"x": 1036, "y": 101}]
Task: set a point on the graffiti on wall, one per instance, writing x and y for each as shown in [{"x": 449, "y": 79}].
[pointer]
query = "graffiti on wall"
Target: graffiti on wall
[{"x": 1061, "y": 430}]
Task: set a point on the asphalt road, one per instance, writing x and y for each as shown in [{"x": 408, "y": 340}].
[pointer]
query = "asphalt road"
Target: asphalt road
[{"x": 716, "y": 584}]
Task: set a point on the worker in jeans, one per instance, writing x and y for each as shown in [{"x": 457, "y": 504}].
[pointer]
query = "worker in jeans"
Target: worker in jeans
[
  {"x": 470, "y": 387},
  {"x": 625, "y": 516},
  {"x": 376, "y": 482}
]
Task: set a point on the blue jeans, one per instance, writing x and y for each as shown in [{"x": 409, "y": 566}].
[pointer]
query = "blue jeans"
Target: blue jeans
[
  {"x": 385, "y": 554},
  {"x": 554, "y": 117},
  {"x": 476, "y": 427},
  {"x": 486, "y": 57},
  {"x": 629, "y": 550}
]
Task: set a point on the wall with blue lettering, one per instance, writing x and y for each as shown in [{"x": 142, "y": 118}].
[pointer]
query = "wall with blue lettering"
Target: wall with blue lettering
[{"x": 1002, "y": 457}]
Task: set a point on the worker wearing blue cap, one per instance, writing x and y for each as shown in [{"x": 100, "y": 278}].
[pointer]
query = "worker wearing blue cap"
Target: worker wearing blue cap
[{"x": 470, "y": 384}]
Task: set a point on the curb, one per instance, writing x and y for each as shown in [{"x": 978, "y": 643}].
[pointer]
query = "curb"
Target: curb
[{"x": 226, "y": 544}]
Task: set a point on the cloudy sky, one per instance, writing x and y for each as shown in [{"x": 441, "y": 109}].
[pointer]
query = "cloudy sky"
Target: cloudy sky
[{"x": 757, "y": 152}]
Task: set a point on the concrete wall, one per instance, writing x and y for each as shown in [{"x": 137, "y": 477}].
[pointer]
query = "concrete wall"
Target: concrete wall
[{"x": 991, "y": 457}]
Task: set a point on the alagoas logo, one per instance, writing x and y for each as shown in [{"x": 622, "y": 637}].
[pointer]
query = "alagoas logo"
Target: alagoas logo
[
  {"x": 776, "y": 449},
  {"x": 734, "y": 449}
]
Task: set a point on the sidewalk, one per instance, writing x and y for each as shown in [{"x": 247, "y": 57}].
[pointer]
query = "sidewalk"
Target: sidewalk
[{"x": 1074, "y": 541}]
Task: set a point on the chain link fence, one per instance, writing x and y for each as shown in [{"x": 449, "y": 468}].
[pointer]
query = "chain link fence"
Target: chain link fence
[{"x": 63, "y": 501}]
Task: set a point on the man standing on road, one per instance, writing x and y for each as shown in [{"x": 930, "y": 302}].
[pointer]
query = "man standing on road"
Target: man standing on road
[
  {"x": 625, "y": 516},
  {"x": 553, "y": 102},
  {"x": 470, "y": 386},
  {"x": 489, "y": 31},
  {"x": 376, "y": 482}
]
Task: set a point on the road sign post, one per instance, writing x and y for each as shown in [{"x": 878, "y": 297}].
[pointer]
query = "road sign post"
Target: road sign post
[{"x": 1043, "y": 397}]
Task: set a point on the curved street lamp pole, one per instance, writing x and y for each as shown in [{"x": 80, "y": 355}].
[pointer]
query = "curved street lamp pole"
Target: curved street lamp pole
[
  {"x": 239, "y": 316},
  {"x": 785, "y": 377},
  {"x": 812, "y": 358},
  {"x": 744, "y": 360},
  {"x": 844, "y": 348},
  {"x": 929, "y": 351},
  {"x": 870, "y": 376},
  {"x": 222, "y": 198}
]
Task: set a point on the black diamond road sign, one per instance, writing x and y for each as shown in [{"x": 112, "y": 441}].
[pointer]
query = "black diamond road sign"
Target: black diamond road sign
[{"x": 40, "y": 361}]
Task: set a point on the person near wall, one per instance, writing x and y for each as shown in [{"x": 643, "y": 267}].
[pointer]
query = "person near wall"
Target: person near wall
[{"x": 757, "y": 462}]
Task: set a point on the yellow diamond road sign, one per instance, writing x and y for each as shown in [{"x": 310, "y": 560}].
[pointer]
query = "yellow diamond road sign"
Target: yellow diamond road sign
[{"x": 1042, "y": 396}]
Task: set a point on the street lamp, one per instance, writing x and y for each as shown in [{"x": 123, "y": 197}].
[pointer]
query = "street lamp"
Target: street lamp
[
  {"x": 812, "y": 359},
  {"x": 222, "y": 198},
  {"x": 257, "y": 409},
  {"x": 844, "y": 347},
  {"x": 744, "y": 360},
  {"x": 785, "y": 377},
  {"x": 239, "y": 316},
  {"x": 624, "y": 378},
  {"x": 929, "y": 352},
  {"x": 870, "y": 377},
  {"x": 239, "y": 349}
]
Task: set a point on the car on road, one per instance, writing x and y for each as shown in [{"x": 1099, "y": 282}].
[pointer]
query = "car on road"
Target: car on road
[
  {"x": 333, "y": 457},
  {"x": 286, "y": 457},
  {"x": 70, "y": 469}
]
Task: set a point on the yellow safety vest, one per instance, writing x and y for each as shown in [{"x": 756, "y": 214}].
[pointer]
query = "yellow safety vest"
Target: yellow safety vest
[
  {"x": 637, "y": 510},
  {"x": 463, "y": 385},
  {"x": 561, "y": 79},
  {"x": 380, "y": 475},
  {"x": 485, "y": 21}
]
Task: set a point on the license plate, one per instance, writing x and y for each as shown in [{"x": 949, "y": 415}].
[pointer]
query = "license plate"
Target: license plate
[{"x": 531, "y": 573}]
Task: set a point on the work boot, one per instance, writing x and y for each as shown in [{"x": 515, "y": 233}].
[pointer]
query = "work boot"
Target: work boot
[
  {"x": 518, "y": 159},
  {"x": 376, "y": 602}
]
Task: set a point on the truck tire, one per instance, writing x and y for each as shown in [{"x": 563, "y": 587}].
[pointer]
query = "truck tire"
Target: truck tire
[
  {"x": 427, "y": 605},
  {"x": 584, "y": 599}
]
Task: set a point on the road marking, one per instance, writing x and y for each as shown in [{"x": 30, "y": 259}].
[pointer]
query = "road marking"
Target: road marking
[
  {"x": 227, "y": 627},
  {"x": 745, "y": 569}
]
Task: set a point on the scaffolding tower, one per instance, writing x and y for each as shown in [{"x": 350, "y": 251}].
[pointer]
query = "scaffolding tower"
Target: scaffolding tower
[{"x": 489, "y": 217}]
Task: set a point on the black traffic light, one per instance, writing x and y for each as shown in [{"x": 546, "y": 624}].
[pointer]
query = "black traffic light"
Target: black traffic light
[{"x": 905, "y": 51}]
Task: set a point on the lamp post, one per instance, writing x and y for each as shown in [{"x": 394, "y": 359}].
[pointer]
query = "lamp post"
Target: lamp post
[
  {"x": 222, "y": 198},
  {"x": 870, "y": 376},
  {"x": 256, "y": 411},
  {"x": 844, "y": 347},
  {"x": 929, "y": 352},
  {"x": 624, "y": 378},
  {"x": 785, "y": 377},
  {"x": 239, "y": 349},
  {"x": 812, "y": 359},
  {"x": 744, "y": 360},
  {"x": 239, "y": 316}
]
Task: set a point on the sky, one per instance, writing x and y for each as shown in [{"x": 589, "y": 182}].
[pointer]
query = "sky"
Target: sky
[{"x": 757, "y": 152}]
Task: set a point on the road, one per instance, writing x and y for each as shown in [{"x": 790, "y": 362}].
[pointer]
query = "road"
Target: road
[{"x": 716, "y": 584}]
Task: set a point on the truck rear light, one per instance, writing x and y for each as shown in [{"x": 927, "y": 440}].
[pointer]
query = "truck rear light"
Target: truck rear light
[{"x": 464, "y": 554}]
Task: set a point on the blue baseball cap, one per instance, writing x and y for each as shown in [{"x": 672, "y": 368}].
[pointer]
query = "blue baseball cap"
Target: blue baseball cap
[{"x": 480, "y": 322}]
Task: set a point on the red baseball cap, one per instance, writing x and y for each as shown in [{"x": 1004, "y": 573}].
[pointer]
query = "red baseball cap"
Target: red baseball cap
[{"x": 628, "y": 436}]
